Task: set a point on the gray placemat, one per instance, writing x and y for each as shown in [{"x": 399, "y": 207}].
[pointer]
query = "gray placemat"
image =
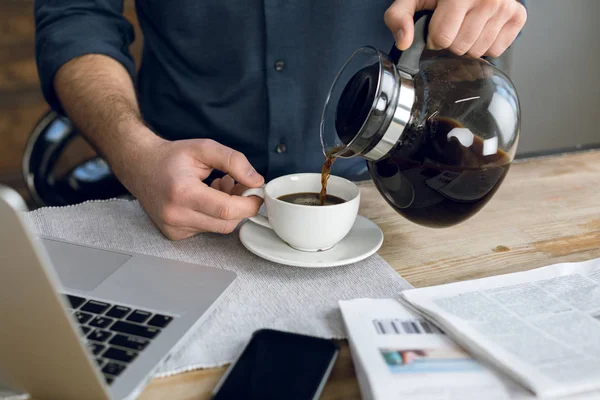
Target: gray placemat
[{"x": 265, "y": 295}]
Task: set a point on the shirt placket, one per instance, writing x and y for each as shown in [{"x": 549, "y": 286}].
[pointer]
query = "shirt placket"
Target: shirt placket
[{"x": 280, "y": 88}]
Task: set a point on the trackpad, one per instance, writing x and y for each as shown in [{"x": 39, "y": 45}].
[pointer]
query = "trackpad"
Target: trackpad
[{"x": 82, "y": 268}]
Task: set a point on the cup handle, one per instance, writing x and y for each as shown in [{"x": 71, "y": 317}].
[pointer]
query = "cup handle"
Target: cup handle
[{"x": 258, "y": 218}]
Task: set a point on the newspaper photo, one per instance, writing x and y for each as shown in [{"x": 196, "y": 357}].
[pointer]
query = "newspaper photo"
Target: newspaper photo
[{"x": 540, "y": 327}]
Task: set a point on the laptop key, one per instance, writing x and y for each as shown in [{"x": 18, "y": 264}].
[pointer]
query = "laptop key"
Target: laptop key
[
  {"x": 139, "y": 316},
  {"x": 130, "y": 342},
  {"x": 118, "y": 312},
  {"x": 100, "y": 361},
  {"x": 125, "y": 356},
  {"x": 160, "y": 321},
  {"x": 82, "y": 317},
  {"x": 75, "y": 301},
  {"x": 96, "y": 348},
  {"x": 99, "y": 336},
  {"x": 94, "y": 306},
  {"x": 101, "y": 322},
  {"x": 113, "y": 368},
  {"x": 136, "y": 330},
  {"x": 109, "y": 380},
  {"x": 85, "y": 329}
]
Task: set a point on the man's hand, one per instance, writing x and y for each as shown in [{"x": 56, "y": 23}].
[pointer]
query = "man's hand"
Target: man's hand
[
  {"x": 473, "y": 27},
  {"x": 167, "y": 180}
]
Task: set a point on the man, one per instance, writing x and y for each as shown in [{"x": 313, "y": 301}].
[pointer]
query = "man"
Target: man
[{"x": 231, "y": 86}]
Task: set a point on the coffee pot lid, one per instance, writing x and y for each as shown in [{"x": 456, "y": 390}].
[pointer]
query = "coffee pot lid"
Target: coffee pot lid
[
  {"x": 371, "y": 98},
  {"x": 353, "y": 103}
]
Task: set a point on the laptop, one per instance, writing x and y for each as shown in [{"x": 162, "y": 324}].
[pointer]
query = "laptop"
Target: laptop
[{"x": 78, "y": 322}]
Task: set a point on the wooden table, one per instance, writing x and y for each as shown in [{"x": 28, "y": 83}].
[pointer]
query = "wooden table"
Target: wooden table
[{"x": 547, "y": 211}]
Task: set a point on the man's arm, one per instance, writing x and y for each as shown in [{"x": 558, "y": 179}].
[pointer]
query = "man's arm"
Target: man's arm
[
  {"x": 66, "y": 30},
  {"x": 98, "y": 95},
  {"x": 86, "y": 72}
]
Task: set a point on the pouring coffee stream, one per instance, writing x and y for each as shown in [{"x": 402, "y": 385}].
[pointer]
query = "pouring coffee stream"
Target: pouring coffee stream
[
  {"x": 438, "y": 131},
  {"x": 325, "y": 173}
]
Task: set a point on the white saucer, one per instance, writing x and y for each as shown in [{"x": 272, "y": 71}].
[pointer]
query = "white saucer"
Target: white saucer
[{"x": 364, "y": 239}]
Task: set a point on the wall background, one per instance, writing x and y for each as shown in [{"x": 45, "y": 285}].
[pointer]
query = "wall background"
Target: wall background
[{"x": 555, "y": 65}]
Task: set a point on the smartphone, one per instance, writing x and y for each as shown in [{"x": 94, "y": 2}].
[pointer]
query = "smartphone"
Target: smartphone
[{"x": 279, "y": 365}]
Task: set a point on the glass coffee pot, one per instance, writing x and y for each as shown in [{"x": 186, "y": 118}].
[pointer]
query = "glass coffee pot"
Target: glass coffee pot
[{"x": 438, "y": 131}]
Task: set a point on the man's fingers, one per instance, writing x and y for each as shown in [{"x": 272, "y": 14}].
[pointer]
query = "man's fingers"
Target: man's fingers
[
  {"x": 506, "y": 36},
  {"x": 225, "y": 159},
  {"x": 238, "y": 189},
  {"x": 472, "y": 27},
  {"x": 486, "y": 39},
  {"x": 187, "y": 223},
  {"x": 221, "y": 205},
  {"x": 462, "y": 26},
  {"x": 173, "y": 233},
  {"x": 227, "y": 184},
  {"x": 509, "y": 32},
  {"x": 445, "y": 24},
  {"x": 492, "y": 28}
]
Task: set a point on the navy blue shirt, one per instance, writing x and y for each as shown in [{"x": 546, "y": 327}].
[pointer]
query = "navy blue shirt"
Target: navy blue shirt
[{"x": 252, "y": 75}]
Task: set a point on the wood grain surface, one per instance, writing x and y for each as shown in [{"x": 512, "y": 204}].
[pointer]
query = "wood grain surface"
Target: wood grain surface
[{"x": 547, "y": 211}]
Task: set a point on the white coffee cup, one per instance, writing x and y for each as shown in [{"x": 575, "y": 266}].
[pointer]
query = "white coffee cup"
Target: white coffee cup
[{"x": 306, "y": 227}]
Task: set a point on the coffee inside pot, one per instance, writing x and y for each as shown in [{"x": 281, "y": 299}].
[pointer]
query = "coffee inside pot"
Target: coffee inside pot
[{"x": 438, "y": 131}]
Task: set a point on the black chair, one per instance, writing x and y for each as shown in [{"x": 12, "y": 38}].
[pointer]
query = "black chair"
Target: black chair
[{"x": 89, "y": 180}]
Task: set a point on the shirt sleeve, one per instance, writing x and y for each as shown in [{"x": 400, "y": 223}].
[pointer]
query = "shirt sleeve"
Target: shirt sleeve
[{"x": 66, "y": 29}]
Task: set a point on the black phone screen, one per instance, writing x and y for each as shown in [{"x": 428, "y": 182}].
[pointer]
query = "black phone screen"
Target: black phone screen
[{"x": 279, "y": 365}]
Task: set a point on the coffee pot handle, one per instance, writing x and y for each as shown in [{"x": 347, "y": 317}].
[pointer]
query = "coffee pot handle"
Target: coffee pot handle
[{"x": 408, "y": 60}]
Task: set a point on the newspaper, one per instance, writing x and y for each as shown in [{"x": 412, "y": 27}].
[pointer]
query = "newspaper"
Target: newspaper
[
  {"x": 399, "y": 355},
  {"x": 540, "y": 327}
]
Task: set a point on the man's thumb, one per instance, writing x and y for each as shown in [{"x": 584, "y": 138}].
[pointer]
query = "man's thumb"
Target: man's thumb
[
  {"x": 399, "y": 20},
  {"x": 225, "y": 159}
]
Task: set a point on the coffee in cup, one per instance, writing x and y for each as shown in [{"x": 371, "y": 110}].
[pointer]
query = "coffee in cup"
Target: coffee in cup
[
  {"x": 295, "y": 214},
  {"x": 311, "y": 199}
]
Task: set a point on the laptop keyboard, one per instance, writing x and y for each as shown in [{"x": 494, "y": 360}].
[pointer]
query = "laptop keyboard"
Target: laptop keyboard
[{"x": 115, "y": 334}]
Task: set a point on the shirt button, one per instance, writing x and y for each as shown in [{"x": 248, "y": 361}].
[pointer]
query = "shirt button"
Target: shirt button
[
  {"x": 281, "y": 148},
  {"x": 279, "y": 65}
]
